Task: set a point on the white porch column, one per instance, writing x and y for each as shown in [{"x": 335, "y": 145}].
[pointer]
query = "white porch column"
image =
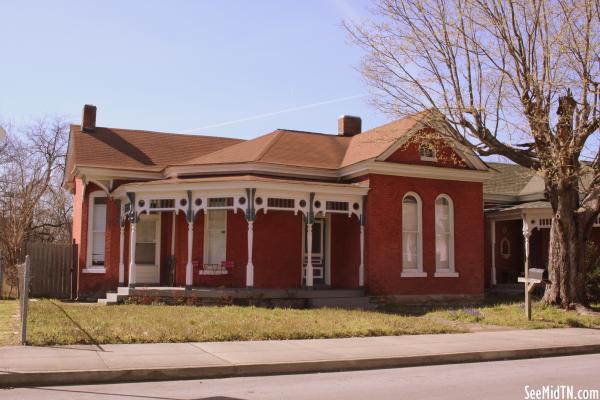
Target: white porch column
[
  {"x": 188, "y": 266},
  {"x": 309, "y": 266},
  {"x": 361, "y": 267},
  {"x": 173, "y": 227},
  {"x": 132, "y": 242},
  {"x": 527, "y": 235},
  {"x": 493, "y": 254},
  {"x": 250, "y": 265},
  {"x": 121, "y": 251}
]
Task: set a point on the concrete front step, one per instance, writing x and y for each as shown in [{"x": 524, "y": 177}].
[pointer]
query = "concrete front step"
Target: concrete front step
[
  {"x": 360, "y": 303},
  {"x": 112, "y": 298}
]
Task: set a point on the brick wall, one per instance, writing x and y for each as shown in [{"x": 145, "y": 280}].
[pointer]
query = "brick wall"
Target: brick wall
[{"x": 384, "y": 236}]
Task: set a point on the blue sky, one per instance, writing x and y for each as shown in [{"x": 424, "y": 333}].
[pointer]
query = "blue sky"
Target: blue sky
[{"x": 180, "y": 65}]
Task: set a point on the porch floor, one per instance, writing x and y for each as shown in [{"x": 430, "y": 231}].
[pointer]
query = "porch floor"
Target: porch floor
[{"x": 292, "y": 297}]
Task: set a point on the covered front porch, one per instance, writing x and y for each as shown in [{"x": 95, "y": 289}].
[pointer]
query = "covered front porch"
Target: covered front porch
[{"x": 241, "y": 232}]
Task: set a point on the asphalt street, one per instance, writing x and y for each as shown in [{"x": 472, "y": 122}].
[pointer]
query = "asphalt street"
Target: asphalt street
[{"x": 490, "y": 380}]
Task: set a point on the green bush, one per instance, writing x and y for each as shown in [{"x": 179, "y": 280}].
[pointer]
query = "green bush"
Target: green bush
[{"x": 592, "y": 255}]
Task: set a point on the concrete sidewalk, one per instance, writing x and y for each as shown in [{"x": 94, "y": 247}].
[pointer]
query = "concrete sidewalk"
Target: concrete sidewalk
[{"x": 29, "y": 366}]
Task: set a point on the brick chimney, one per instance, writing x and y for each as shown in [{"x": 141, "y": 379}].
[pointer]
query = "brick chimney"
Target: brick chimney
[
  {"x": 88, "y": 122},
  {"x": 349, "y": 125}
]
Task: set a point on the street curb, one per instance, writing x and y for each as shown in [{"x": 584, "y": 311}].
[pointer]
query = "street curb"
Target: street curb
[{"x": 28, "y": 379}]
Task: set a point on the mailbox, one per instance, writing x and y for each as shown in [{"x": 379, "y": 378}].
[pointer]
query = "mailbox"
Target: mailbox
[{"x": 536, "y": 273}]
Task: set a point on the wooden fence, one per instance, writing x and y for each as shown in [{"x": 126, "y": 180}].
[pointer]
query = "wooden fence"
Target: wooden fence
[{"x": 52, "y": 271}]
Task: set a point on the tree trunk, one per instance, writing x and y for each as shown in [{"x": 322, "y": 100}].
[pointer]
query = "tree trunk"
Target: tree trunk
[{"x": 566, "y": 264}]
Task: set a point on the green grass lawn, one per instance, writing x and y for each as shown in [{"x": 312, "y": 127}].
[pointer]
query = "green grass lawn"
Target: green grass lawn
[
  {"x": 53, "y": 322},
  {"x": 9, "y": 322},
  {"x": 506, "y": 314}
]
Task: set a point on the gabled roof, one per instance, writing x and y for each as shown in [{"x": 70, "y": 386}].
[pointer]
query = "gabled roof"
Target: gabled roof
[
  {"x": 510, "y": 180},
  {"x": 374, "y": 142},
  {"x": 137, "y": 150},
  {"x": 284, "y": 147}
]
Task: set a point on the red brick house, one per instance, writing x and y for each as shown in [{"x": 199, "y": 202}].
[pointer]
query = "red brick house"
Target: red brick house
[
  {"x": 379, "y": 210},
  {"x": 518, "y": 220}
]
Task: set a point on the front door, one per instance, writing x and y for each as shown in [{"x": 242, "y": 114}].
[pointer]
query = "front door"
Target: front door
[
  {"x": 216, "y": 238},
  {"x": 147, "y": 249},
  {"x": 318, "y": 252}
]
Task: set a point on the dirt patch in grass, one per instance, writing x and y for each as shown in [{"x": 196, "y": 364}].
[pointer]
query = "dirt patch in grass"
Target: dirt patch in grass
[
  {"x": 9, "y": 322},
  {"x": 53, "y": 322}
]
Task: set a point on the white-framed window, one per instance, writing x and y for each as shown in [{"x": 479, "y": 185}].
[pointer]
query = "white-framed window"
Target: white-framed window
[
  {"x": 427, "y": 152},
  {"x": 215, "y": 237},
  {"x": 505, "y": 248},
  {"x": 96, "y": 237},
  {"x": 412, "y": 236},
  {"x": 444, "y": 237}
]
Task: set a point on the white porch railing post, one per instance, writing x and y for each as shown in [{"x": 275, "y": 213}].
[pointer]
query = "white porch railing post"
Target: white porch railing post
[
  {"x": 132, "y": 242},
  {"x": 309, "y": 266},
  {"x": 188, "y": 266},
  {"x": 250, "y": 265},
  {"x": 493, "y": 254},
  {"x": 121, "y": 251},
  {"x": 361, "y": 267},
  {"x": 526, "y": 236}
]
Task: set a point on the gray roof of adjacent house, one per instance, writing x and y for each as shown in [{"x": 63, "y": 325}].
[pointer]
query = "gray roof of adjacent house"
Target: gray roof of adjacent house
[{"x": 512, "y": 183}]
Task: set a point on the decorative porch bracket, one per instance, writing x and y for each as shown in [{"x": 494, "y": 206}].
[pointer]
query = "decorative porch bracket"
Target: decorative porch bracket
[{"x": 250, "y": 218}]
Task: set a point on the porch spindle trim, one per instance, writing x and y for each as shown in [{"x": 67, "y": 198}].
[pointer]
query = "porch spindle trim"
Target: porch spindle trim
[
  {"x": 526, "y": 236},
  {"x": 309, "y": 266},
  {"x": 250, "y": 218},
  {"x": 361, "y": 267},
  {"x": 121, "y": 250},
  {"x": 188, "y": 266},
  {"x": 132, "y": 241}
]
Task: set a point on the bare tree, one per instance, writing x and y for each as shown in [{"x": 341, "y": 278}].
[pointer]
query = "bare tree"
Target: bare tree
[
  {"x": 514, "y": 78},
  {"x": 32, "y": 202}
]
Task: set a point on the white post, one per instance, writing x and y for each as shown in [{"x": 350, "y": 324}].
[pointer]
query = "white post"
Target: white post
[
  {"x": 188, "y": 266},
  {"x": 526, "y": 235},
  {"x": 250, "y": 265},
  {"x": 309, "y": 266},
  {"x": 493, "y": 244},
  {"x": 361, "y": 267},
  {"x": 121, "y": 251},
  {"x": 173, "y": 227},
  {"x": 132, "y": 242}
]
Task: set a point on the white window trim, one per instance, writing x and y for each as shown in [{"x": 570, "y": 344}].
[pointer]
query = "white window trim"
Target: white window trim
[
  {"x": 427, "y": 158},
  {"x": 205, "y": 240},
  {"x": 418, "y": 273},
  {"x": 449, "y": 272},
  {"x": 89, "y": 268}
]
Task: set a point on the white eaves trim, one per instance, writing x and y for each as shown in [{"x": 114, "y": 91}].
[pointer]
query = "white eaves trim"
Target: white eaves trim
[
  {"x": 323, "y": 188},
  {"x": 415, "y": 171},
  {"x": 114, "y": 173}
]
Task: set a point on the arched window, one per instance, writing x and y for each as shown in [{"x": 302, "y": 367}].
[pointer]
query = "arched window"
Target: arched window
[
  {"x": 505, "y": 248},
  {"x": 427, "y": 152},
  {"x": 444, "y": 237},
  {"x": 412, "y": 237}
]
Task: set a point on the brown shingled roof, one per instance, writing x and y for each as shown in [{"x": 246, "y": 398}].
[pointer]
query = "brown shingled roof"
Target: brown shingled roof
[
  {"x": 372, "y": 143},
  {"x": 285, "y": 147},
  {"x": 137, "y": 150}
]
